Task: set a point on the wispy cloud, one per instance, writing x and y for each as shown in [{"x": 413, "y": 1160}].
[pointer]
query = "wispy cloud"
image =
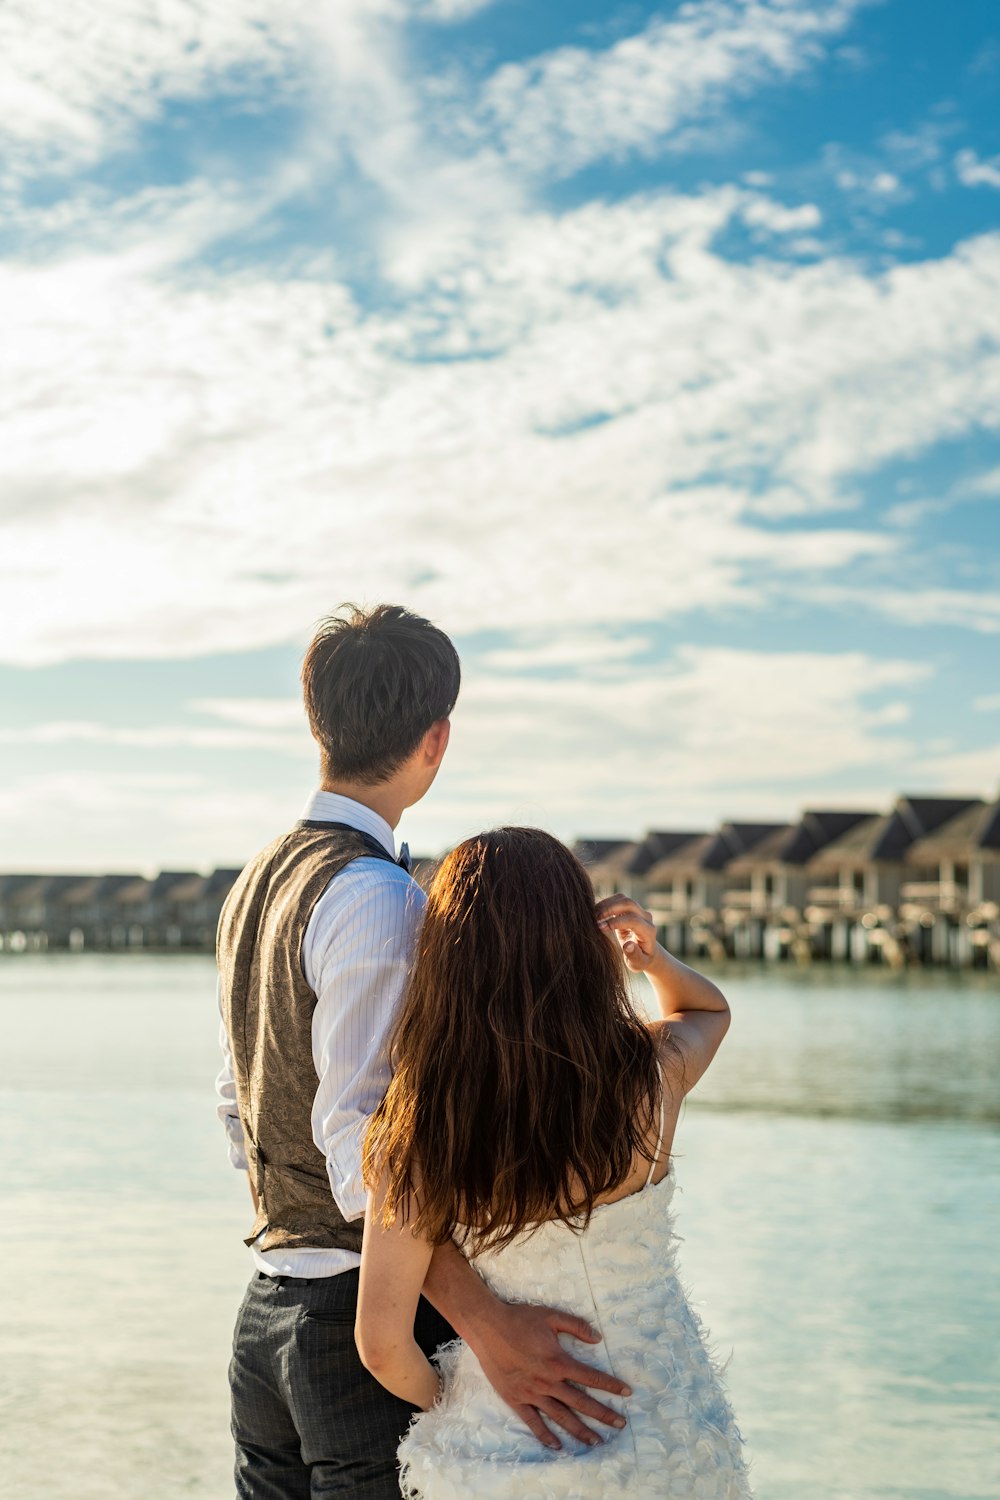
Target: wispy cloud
[
  {"x": 572, "y": 106},
  {"x": 157, "y": 737},
  {"x": 254, "y": 713},
  {"x": 184, "y": 821},
  {"x": 987, "y": 484},
  {"x": 206, "y": 448},
  {"x": 75, "y": 77},
  {"x": 972, "y": 772},
  {"x": 975, "y": 172},
  {"x": 968, "y": 609}
]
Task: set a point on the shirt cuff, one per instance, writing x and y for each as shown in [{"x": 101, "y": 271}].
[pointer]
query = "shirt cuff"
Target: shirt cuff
[
  {"x": 343, "y": 1167},
  {"x": 237, "y": 1142}
]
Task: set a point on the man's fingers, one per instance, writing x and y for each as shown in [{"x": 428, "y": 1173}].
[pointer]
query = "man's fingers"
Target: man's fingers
[
  {"x": 564, "y": 1322},
  {"x": 594, "y": 1380},
  {"x": 561, "y": 1414},
  {"x": 594, "y": 1411},
  {"x": 530, "y": 1417}
]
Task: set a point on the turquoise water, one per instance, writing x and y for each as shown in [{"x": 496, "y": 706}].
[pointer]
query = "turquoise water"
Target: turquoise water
[{"x": 840, "y": 1168}]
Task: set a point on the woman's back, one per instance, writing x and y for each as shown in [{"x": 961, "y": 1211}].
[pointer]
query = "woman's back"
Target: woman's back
[{"x": 619, "y": 1273}]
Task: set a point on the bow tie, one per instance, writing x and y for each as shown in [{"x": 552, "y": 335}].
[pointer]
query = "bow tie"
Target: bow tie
[{"x": 403, "y": 858}]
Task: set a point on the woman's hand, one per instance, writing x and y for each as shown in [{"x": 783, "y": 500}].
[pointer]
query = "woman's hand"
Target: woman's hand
[
  {"x": 694, "y": 1009},
  {"x": 632, "y": 925}
]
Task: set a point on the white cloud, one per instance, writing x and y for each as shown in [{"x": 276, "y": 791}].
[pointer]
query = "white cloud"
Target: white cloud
[
  {"x": 764, "y": 213},
  {"x": 74, "y": 76},
  {"x": 912, "y": 512},
  {"x": 557, "y": 112},
  {"x": 574, "y": 430},
  {"x": 121, "y": 820},
  {"x": 986, "y": 484},
  {"x": 156, "y": 737},
  {"x": 447, "y": 10},
  {"x": 972, "y": 772},
  {"x": 596, "y": 653},
  {"x": 986, "y": 703},
  {"x": 974, "y": 172},
  {"x": 969, "y": 609},
  {"x": 79, "y": 80},
  {"x": 254, "y": 713}
]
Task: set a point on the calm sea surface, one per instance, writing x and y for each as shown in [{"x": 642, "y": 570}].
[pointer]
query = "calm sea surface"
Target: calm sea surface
[{"x": 841, "y": 1217}]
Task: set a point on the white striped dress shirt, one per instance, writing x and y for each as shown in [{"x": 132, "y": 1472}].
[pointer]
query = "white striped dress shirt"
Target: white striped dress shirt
[{"x": 355, "y": 957}]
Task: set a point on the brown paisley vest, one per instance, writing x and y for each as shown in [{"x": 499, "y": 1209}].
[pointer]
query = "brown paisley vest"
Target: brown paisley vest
[{"x": 268, "y": 1009}]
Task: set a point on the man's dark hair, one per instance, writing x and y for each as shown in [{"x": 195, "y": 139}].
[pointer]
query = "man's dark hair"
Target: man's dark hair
[{"x": 374, "y": 681}]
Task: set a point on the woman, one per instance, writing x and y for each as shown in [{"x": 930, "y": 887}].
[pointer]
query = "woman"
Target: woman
[{"x": 531, "y": 1116}]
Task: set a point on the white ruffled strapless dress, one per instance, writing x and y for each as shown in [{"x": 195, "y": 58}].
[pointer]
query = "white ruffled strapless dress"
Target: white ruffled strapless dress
[{"x": 620, "y": 1274}]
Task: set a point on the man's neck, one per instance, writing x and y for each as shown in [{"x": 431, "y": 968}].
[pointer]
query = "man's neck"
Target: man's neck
[{"x": 384, "y": 799}]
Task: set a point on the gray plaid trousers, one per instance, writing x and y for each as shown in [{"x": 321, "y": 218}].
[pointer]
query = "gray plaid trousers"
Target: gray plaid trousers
[{"x": 309, "y": 1421}]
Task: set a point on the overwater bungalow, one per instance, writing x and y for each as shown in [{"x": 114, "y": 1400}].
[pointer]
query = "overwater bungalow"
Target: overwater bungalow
[
  {"x": 767, "y": 887},
  {"x": 625, "y": 866},
  {"x": 685, "y": 889},
  {"x": 90, "y": 910},
  {"x": 177, "y": 909},
  {"x": 9, "y": 887},
  {"x": 32, "y": 908},
  {"x": 950, "y": 894},
  {"x": 853, "y": 913}
]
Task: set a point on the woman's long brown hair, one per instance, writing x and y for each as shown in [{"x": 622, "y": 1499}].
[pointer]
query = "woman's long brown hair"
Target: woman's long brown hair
[{"x": 525, "y": 1085}]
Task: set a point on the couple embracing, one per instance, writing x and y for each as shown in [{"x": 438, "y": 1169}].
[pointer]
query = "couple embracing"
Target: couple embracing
[{"x": 458, "y": 1136}]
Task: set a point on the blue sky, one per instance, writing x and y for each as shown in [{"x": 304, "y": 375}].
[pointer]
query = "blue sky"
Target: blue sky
[{"x": 652, "y": 350}]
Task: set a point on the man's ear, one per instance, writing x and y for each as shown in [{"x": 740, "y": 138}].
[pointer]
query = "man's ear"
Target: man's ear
[{"x": 436, "y": 741}]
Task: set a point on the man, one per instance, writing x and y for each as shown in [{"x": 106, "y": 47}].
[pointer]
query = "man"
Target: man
[{"x": 313, "y": 948}]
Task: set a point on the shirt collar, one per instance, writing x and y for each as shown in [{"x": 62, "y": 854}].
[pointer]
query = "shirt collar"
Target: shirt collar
[{"x": 331, "y": 807}]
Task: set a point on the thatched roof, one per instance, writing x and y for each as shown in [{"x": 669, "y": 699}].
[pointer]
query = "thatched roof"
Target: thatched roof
[
  {"x": 975, "y": 829},
  {"x": 96, "y": 888},
  {"x": 886, "y": 839},
  {"x": 639, "y": 856},
  {"x": 711, "y": 851},
  {"x": 796, "y": 843},
  {"x": 42, "y": 888}
]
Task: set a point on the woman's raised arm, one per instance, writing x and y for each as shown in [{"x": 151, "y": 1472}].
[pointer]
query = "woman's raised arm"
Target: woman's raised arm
[{"x": 695, "y": 1010}]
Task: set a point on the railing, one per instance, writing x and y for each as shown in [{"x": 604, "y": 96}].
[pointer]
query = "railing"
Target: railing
[
  {"x": 945, "y": 895},
  {"x": 746, "y": 900},
  {"x": 835, "y": 895}
]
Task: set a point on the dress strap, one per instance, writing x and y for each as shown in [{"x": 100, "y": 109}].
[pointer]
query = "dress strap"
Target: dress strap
[{"x": 659, "y": 1138}]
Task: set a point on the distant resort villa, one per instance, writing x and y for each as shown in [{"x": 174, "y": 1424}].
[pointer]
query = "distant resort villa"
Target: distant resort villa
[{"x": 919, "y": 884}]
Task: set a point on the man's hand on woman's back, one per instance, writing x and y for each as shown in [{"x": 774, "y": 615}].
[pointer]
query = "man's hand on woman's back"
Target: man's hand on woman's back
[
  {"x": 519, "y": 1348},
  {"x": 528, "y": 1366}
]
